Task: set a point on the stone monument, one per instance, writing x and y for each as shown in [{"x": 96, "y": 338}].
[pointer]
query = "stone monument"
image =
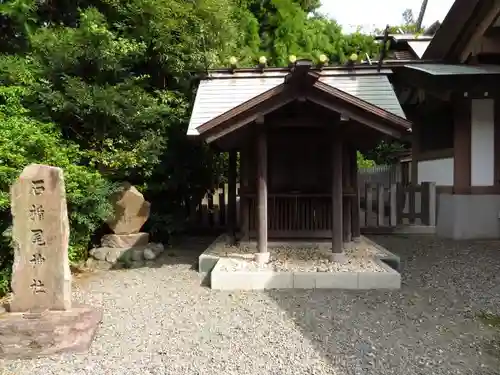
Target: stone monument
[
  {"x": 127, "y": 246},
  {"x": 131, "y": 212},
  {"x": 41, "y": 319}
]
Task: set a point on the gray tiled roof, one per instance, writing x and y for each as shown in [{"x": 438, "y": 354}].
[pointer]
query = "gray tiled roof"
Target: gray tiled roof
[
  {"x": 223, "y": 91},
  {"x": 445, "y": 69}
]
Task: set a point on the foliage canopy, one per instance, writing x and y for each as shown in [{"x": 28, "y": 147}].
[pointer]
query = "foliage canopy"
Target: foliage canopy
[{"x": 103, "y": 89}]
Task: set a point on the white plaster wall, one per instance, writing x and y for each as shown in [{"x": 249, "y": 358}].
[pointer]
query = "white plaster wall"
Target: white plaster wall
[
  {"x": 439, "y": 171},
  {"x": 482, "y": 142}
]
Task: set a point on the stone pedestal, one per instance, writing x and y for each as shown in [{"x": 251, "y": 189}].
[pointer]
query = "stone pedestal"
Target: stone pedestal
[
  {"x": 125, "y": 240},
  {"x": 27, "y": 335}
]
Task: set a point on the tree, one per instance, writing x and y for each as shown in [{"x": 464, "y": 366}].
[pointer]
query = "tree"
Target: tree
[
  {"x": 409, "y": 25},
  {"x": 286, "y": 27},
  {"x": 104, "y": 88},
  {"x": 420, "y": 19}
]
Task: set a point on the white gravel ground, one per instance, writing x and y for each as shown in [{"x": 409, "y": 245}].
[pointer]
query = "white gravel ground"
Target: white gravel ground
[
  {"x": 159, "y": 320},
  {"x": 292, "y": 258},
  {"x": 360, "y": 257}
]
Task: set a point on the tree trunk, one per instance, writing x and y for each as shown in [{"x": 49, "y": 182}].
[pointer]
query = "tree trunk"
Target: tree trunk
[{"x": 420, "y": 18}]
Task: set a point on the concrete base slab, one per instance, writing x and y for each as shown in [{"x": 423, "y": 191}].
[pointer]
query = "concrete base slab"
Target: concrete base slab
[
  {"x": 390, "y": 279},
  {"x": 249, "y": 280},
  {"x": 207, "y": 261},
  {"x": 335, "y": 280},
  {"x": 222, "y": 278},
  {"x": 28, "y": 335},
  {"x": 219, "y": 271}
]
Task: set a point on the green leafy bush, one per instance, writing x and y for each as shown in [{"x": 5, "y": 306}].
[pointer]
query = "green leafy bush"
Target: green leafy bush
[{"x": 26, "y": 140}]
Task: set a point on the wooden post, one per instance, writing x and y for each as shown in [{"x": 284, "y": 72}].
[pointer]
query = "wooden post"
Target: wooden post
[
  {"x": 380, "y": 205},
  {"x": 355, "y": 219},
  {"x": 368, "y": 204},
  {"x": 415, "y": 151},
  {"x": 462, "y": 145},
  {"x": 337, "y": 232},
  {"x": 231, "y": 219},
  {"x": 222, "y": 204},
  {"x": 346, "y": 201},
  {"x": 428, "y": 203},
  {"x": 412, "y": 192},
  {"x": 263, "y": 255},
  {"x": 393, "y": 199},
  {"x": 244, "y": 200}
]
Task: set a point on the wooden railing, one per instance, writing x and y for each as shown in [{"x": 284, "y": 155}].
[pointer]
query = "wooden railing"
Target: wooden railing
[
  {"x": 304, "y": 214},
  {"x": 398, "y": 205},
  {"x": 294, "y": 212}
]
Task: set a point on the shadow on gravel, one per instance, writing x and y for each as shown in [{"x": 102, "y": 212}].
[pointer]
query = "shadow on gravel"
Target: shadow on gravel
[{"x": 430, "y": 326}]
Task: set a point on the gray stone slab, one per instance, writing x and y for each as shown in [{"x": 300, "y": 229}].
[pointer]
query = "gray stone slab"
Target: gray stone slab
[
  {"x": 28, "y": 335},
  {"x": 380, "y": 280},
  {"x": 304, "y": 280},
  {"x": 336, "y": 280},
  {"x": 249, "y": 280},
  {"x": 206, "y": 263}
]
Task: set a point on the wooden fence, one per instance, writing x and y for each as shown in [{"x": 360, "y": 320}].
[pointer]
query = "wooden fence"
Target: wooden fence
[
  {"x": 379, "y": 174},
  {"x": 397, "y": 205},
  {"x": 382, "y": 205}
]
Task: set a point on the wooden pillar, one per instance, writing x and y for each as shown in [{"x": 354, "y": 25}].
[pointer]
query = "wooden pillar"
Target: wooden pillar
[
  {"x": 462, "y": 146},
  {"x": 244, "y": 201},
  {"x": 497, "y": 142},
  {"x": 415, "y": 152},
  {"x": 263, "y": 255},
  {"x": 347, "y": 200},
  {"x": 337, "y": 216},
  {"x": 355, "y": 219},
  {"x": 232, "y": 197}
]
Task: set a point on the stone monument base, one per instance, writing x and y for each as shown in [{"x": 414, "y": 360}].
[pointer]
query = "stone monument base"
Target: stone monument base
[
  {"x": 120, "y": 241},
  {"x": 28, "y": 335}
]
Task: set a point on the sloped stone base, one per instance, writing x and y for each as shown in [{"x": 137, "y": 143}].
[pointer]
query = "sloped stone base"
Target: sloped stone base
[{"x": 28, "y": 335}]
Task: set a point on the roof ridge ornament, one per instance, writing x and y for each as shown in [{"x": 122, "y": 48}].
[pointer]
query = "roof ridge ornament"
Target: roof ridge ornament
[{"x": 301, "y": 73}]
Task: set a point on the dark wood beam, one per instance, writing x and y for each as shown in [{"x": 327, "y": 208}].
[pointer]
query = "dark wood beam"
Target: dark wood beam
[
  {"x": 347, "y": 201},
  {"x": 497, "y": 142},
  {"x": 337, "y": 216},
  {"x": 445, "y": 86},
  {"x": 462, "y": 146},
  {"x": 244, "y": 202},
  {"x": 355, "y": 218},
  {"x": 232, "y": 197}
]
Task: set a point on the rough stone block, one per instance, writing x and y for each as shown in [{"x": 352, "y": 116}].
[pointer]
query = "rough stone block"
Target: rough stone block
[
  {"x": 336, "y": 280},
  {"x": 131, "y": 210},
  {"x": 115, "y": 255},
  {"x": 27, "y": 335},
  {"x": 157, "y": 248},
  {"x": 125, "y": 240}
]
